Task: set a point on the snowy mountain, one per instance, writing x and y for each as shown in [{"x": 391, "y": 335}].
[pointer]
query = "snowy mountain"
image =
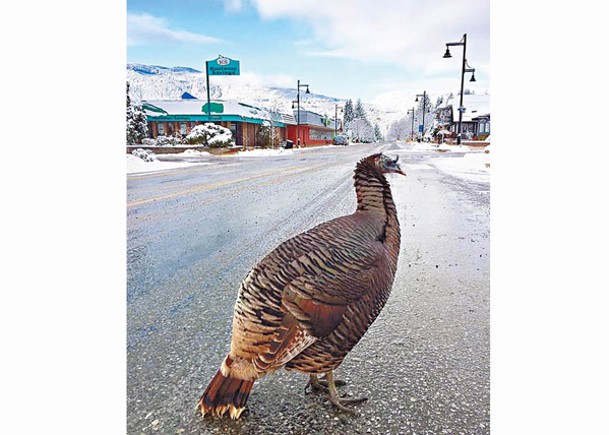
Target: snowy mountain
[{"x": 151, "y": 82}]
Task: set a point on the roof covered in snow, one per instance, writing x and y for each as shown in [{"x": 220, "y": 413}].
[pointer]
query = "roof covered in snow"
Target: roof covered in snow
[
  {"x": 475, "y": 105},
  {"x": 221, "y": 110},
  {"x": 315, "y": 119}
]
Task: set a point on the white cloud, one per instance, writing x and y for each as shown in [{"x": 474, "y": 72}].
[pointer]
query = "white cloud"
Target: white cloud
[
  {"x": 145, "y": 28},
  {"x": 407, "y": 33},
  {"x": 233, "y": 5}
]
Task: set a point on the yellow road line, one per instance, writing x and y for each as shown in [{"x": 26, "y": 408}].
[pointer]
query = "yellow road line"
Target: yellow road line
[{"x": 221, "y": 184}]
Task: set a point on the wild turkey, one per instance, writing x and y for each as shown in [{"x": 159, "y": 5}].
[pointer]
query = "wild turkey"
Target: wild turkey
[{"x": 309, "y": 301}]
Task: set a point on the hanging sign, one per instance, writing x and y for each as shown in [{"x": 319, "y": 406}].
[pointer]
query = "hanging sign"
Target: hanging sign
[{"x": 223, "y": 66}]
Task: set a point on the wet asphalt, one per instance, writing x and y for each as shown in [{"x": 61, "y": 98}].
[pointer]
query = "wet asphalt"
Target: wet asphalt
[{"x": 194, "y": 233}]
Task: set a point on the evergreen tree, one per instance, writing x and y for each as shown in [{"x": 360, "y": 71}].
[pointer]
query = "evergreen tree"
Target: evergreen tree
[
  {"x": 348, "y": 114},
  {"x": 137, "y": 124},
  {"x": 377, "y": 133},
  {"x": 359, "y": 111}
]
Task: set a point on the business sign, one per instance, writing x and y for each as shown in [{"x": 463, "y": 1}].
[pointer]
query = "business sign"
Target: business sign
[
  {"x": 212, "y": 107},
  {"x": 223, "y": 66}
]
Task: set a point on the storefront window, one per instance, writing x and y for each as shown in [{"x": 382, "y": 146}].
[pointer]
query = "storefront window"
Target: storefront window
[
  {"x": 161, "y": 128},
  {"x": 320, "y": 134}
]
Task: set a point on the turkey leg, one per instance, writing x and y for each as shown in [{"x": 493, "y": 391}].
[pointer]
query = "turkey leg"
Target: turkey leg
[
  {"x": 321, "y": 385},
  {"x": 335, "y": 399}
]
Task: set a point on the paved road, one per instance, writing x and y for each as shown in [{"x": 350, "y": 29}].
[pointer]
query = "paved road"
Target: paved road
[{"x": 194, "y": 233}]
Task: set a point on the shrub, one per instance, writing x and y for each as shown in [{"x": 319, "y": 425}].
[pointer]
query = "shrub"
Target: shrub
[
  {"x": 211, "y": 135},
  {"x": 145, "y": 155},
  {"x": 162, "y": 141}
]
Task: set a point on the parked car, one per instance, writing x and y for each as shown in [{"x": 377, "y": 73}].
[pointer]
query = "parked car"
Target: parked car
[{"x": 340, "y": 140}]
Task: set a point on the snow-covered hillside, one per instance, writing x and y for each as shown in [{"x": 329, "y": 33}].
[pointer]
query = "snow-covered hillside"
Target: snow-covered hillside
[{"x": 149, "y": 82}]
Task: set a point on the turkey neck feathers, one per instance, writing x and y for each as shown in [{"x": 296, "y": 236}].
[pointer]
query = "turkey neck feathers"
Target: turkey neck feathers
[{"x": 373, "y": 191}]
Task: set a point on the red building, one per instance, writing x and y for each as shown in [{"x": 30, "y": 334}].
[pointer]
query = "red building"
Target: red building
[{"x": 313, "y": 129}]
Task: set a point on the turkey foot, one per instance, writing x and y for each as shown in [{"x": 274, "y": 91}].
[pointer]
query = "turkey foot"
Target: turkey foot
[
  {"x": 316, "y": 385},
  {"x": 321, "y": 385},
  {"x": 338, "y": 401}
]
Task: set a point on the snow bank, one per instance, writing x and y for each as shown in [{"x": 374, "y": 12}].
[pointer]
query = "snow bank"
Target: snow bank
[
  {"x": 136, "y": 165},
  {"x": 191, "y": 152},
  {"x": 423, "y": 146},
  {"x": 265, "y": 152},
  {"x": 282, "y": 151},
  {"x": 473, "y": 166},
  {"x": 454, "y": 148}
]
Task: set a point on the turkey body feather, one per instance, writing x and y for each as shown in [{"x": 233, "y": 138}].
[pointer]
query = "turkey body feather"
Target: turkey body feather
[{"x": 310, "y": 300}]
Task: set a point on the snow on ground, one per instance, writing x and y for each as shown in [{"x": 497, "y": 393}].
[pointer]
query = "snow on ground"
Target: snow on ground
[
  {"x": 472, "y": 166},
  {"x": 191, "y": 152},
  {"x": 459, "y": 161},
  {"x": 454, "y": 148},
  {"x": 280, "y": 151},
  {"x": 135, "y": 165},
  {"x": 265, "y": 152}
]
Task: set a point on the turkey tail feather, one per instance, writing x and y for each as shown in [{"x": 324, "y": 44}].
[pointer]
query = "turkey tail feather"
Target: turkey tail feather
[{"x": 225, "y": 394}]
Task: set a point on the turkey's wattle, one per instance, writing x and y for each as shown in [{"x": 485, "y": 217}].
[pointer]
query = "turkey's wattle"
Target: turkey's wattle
[{"x": 310, "y": 300}]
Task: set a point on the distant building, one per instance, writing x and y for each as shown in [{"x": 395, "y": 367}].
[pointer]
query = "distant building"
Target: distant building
[
  {"x": 476, "y": 120},
  {"x": 167, "y": 117},
  {"x": 313, "y": 129}
]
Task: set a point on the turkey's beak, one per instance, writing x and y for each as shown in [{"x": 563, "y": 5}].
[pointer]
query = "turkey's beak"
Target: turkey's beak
[{"x": 397, "y": 169}]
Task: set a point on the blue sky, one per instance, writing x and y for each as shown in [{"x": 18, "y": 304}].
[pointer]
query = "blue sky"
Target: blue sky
[{"x": 342, "y": 48}]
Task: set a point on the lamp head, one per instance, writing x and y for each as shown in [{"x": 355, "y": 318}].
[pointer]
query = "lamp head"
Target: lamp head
[{"x": 447, "y": 54}]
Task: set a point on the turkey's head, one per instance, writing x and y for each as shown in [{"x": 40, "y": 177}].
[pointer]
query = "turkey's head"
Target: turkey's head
[{"x": 387, "y": 165}]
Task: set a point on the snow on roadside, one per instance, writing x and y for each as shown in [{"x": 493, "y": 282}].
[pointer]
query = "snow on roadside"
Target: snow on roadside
[
  {"x": 191, "y": 152},
  {"x": 457, "y": 160},
  {"x": 135, "y": 165},
  {"x": 461, "y": 161},
  {"x": 454, "y": 148},
  {"x": 279, "y": 151},
  {"x": 473, "y": 166},
  {"x": 265, "y": 152}
]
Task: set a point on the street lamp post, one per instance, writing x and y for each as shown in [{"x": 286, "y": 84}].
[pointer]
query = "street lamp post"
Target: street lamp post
[
  {"x": 298, "y": 86},
  {"x": 424, "y": 95},
  {"x": 336, "y": 118},
  {"x": 464, "y": 68},
  {"x": 411, "y": 112}
]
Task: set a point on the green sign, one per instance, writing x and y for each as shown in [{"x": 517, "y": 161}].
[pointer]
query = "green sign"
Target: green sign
[
  {"x": 151, "y": 108},
  {"x": 223, "y": 66},
  {"x": 213, "y": 107}
]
